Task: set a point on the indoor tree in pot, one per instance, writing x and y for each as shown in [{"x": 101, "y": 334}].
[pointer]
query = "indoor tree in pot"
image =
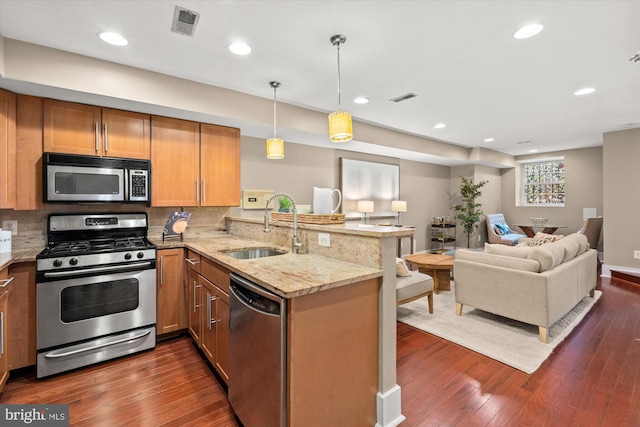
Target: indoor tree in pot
[{"x": 469, "y": 209}]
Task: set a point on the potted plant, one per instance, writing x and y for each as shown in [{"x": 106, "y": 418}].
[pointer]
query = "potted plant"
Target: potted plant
[
  {"x": 469, "y": 209},
  {"x": 285, "y": 204}
]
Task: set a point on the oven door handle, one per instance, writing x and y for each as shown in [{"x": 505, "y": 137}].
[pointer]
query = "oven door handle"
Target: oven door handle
[
  {"x": 96, "y": 270},
  {"x": 55, "y": 355}
]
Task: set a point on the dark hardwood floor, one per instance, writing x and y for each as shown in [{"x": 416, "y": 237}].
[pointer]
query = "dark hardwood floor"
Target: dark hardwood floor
[{"x": 591, "y": 379}]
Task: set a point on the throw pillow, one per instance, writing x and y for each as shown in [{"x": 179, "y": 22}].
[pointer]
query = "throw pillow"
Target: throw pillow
[
  {"x": 541, "y": 238},
  {"x": 504, "y": 228},
  {"x": 497, "y": 230},
  {"x": 401, "y": 268}
]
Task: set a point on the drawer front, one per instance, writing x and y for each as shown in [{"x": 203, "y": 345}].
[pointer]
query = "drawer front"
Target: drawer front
[
  {"x": 216, "y": 274},
  {"x": 193, "y": 260}
]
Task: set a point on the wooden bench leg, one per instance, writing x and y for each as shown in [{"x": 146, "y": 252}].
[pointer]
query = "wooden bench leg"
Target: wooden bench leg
[
  {"x": 543, "y": 334},
  {"x": 430, "y": 299},
  {"x": 459, "y": 309}
]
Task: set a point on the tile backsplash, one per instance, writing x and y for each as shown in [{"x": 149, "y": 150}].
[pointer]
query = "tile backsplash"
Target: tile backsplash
[{"x": 32, "y": 225}]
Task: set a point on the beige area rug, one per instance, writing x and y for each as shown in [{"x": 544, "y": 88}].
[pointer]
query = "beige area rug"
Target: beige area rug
[{"x": 511, "y": 342}]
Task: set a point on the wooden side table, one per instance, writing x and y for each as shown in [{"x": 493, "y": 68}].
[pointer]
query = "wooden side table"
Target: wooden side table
[{"x": 435, "y": 265}]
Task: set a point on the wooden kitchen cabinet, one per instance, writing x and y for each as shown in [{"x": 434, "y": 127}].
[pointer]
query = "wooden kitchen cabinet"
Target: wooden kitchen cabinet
[
  {"x": 28, "y": 153},
  {"x": 175, "y": 159},
  {"x": 22, "y": 313},
  {"x": 219, "y": 165},
  {"x": 90, "y": 130},
  {"x": 171, "y": 301},
  {"x": 7, "y": 149},
  {"x": 5, "y": 284},
  {"x": 215, "y": 327},
  {"x": 209, "y": 310},
  {"x": 194, "y": 164}
]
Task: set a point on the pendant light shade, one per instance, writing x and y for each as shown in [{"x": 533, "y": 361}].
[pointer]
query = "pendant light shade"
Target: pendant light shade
[
  {"x": 275, "y": 146},
  {"x": 340, "y": 126}
]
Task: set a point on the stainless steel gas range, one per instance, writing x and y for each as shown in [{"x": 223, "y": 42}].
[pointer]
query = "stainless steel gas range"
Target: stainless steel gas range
[{"x": 95, "y": 290}]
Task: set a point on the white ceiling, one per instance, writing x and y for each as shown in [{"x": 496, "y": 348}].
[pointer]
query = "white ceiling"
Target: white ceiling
[{"x": 459, "y": 57}]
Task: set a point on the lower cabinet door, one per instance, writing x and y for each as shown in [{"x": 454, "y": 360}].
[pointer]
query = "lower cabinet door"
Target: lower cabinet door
[
  {"x": 193, "y": 290},
  {"x": 208, "y": 343}
]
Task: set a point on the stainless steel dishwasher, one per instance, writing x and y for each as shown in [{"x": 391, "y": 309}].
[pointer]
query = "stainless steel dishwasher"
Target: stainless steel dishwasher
[{"x": 257, "y": 354}]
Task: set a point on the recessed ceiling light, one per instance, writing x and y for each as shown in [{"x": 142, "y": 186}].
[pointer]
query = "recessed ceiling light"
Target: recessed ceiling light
[
  {"x": 240, "y": 48},
  {"x": 528, "y": 31},
  {"x": 489, "y": 140},
  {"x": 533, "y": 151},
  {"x": 361, "y": 100},
  {"x": 113, "y": 38},
  {"x": 440, "y": 126},
  {"x": 584, "y": 91}
]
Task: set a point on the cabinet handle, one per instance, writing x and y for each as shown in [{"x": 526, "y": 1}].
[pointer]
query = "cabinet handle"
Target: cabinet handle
[
  {"x": 161, "y": 271},
  {"x": 106, "y": 138},
  {"x": 195, "y": 295},
  {"x": 191, "y": 261},
  {"x": 197, "y": 192},
  {"x": 5, "y": 282},
  {"x": 97, "y": 134},
  {"x": 208, "y": 311},
  {"x": 204, "y": 192}
]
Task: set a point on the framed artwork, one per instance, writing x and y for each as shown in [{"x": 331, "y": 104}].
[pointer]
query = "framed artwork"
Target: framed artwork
[{"x": 362, "y": 180}]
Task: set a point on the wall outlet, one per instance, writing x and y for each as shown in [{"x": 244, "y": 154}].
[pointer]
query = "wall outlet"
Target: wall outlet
[
  {"x": 10, "y": 224},
  {"x": 324, "y": 239},
  {"x": 636, "y": 254}
]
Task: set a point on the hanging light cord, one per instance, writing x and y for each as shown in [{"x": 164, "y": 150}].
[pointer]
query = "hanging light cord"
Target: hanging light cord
[
  {"x": 274, "y": 110},
  {"x": 339, "y": 103}
]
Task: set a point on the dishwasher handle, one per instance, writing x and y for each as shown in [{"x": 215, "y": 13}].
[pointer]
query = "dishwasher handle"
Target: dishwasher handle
[{"x": 254, "y": 297}]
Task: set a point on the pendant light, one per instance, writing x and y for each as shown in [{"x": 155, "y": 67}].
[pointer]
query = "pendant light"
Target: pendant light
[
  {"x": 340, "y": 127},
  {"x": 275, "y": 146}
]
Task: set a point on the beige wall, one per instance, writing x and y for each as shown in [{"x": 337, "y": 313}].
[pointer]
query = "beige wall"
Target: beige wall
[
  {"x": 583, "y": 188},
  {"x": 621, "y": 198}
]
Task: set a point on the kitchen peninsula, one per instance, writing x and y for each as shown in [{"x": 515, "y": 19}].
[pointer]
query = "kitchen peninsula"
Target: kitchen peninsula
[{"x": 356, "y": 256}]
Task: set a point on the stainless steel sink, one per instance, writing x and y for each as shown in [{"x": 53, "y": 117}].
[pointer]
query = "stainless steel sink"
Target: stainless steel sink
[{"x": 253, "y": 253}]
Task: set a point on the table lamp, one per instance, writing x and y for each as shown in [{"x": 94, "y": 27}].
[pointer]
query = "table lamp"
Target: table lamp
[
  {"x": 365, "y": 206},
  {"x": 398, "y": 206}
]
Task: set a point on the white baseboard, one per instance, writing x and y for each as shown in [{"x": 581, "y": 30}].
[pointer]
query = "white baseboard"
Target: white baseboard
[
  {"x": 389, "y": 408},
  {"x": 606, "y": 270}
]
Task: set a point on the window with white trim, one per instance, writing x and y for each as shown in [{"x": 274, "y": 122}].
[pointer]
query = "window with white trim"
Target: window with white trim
[{"x": 543, "y": 183}]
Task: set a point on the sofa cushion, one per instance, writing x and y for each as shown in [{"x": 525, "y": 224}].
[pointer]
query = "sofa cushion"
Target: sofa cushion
[
  {"x": 498, "y": 260},
  {"x": 414, "y": 284},
  {"x": 570, "y": 247},
  {"x": 401, "y": 268},
  {"x": 583, "y": 242},
  {"x": 548, "y": 256},
  {"x": 512, "y": 251},
  {"x": 541, "y": 238}
]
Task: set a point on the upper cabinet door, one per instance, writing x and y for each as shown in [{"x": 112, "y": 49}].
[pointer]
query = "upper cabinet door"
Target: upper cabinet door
[
  {"x": 7, "y": 150},
  {"x": 71, "y": 128},
  {"x": 220, "y": 165},
  {"x": 175, "y": 162},
  {"x": 125, "y": 134}
]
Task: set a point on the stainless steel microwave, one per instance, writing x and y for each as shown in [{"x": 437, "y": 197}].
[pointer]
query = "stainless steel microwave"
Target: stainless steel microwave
[{"x": 75, "y": 178}]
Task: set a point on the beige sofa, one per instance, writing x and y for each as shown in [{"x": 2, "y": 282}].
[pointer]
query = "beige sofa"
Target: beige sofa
[{"x": 536, "y": 285}]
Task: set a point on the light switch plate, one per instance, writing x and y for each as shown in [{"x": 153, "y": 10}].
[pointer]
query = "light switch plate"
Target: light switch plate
[
  {"x": 10, "y": 224},
  {"x": 256, "y": 199}
]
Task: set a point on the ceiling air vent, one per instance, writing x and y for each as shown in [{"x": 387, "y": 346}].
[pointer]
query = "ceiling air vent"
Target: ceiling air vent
[
  {"x": 403, "y": 97},
  {"x": 185, "y": 21}
]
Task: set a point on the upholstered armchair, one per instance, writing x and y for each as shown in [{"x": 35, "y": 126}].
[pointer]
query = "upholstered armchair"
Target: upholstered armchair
[
  {"x": 499, "y": 232},
  {"x": 591, "y": 229}
]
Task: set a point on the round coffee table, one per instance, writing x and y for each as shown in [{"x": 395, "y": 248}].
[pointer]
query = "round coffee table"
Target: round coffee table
[{"x": 435, "y": 265}]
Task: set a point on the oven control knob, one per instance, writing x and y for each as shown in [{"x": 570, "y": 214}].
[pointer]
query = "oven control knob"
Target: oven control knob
[
  {"x": 127, "y": 256},
  {"x": 140, "y": 255},
  {"x": 73, "y": 261},
  {"x": 57, "y": 263}
]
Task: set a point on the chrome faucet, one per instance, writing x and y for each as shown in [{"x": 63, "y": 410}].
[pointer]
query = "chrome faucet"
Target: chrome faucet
[{"x": 295, "y": 245}]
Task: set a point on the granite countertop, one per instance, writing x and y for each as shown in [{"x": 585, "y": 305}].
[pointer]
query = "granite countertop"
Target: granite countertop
[{"x": 287, "y": 275}]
